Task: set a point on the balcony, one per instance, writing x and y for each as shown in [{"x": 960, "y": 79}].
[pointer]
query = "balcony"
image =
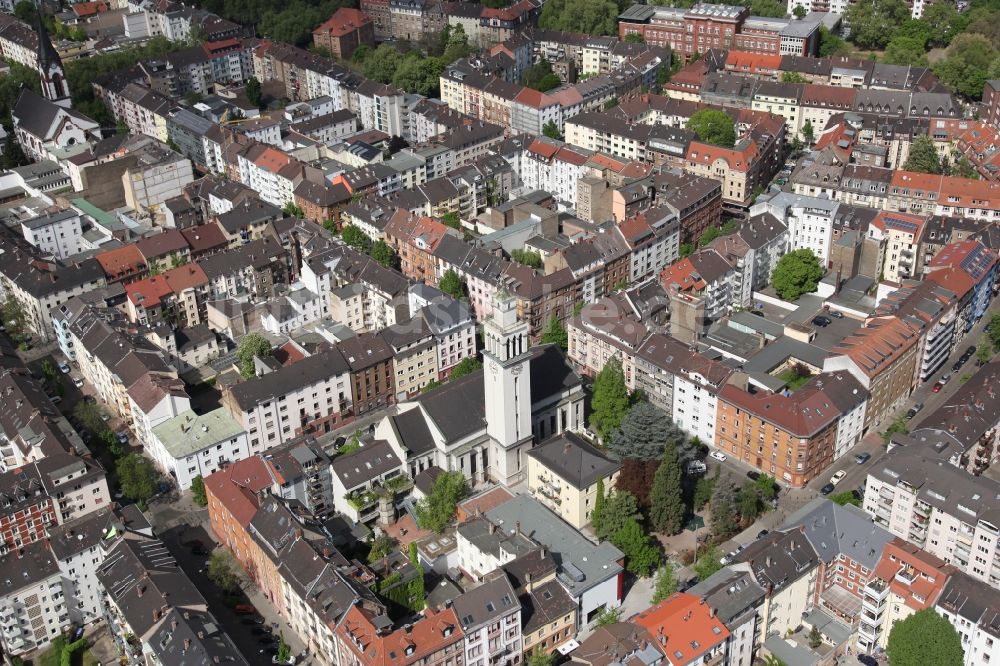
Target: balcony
[{"x": 906, "y": 576}]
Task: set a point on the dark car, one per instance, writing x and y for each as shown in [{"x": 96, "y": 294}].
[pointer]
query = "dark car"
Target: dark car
[
  {"x": 267, "y": 640},
  {"x": 836, "y": 314},
  {"x": 913, "y": 410},
  {"x": 958, "y": 365},
  {"x": 969, "y": 351},
  {"x": 245, "y": 609},
  {"x": 199, "y": 552},
  {"x": 822, "y": 320},
  {"x": 867, "y": 660},
  {"x": 259, "y": 631},
  {"x": 753, "y": 475},
  {"x": 762, "y": 534},
  {"x": 249, "y": 621},
  {"x": 827, "y": 489},
  {"x": 862, "y": 458}
]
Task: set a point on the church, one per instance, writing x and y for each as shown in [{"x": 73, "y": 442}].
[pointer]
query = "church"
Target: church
[
  {"x": 46, "y": 125},
  {"x": 484, "y": 424}
]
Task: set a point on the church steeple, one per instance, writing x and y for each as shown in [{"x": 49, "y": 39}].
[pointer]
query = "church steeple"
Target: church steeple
[{"x": 50, "y": 68}]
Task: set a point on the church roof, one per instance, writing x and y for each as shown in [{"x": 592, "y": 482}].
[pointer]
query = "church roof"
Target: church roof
[
  {"x": 46, "y": 52},
  {"x": 37, "y": 115}
]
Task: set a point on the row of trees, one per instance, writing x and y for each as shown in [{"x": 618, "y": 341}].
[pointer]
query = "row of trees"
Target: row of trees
[{"x": 362, "y": 242}]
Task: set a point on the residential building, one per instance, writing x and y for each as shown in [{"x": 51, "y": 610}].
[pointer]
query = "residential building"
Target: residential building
[
  {"x": 686, "y": 629},
  {"x": 57, "y": 234},
  {"x": 490, "y": 617},
  {"x": 973, "y": 611},
  {"x": 193, "y": 445},
  {"x": 344, "y": 32},
  {"x": 32, "y": 599}
]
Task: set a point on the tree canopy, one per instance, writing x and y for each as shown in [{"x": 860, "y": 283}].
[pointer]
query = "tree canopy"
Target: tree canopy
[
  {"x": 555, "y": 333},
  {"x": 714, "y": 127},
  {"x": 797, "y": 273},
  {"x": 645, "y": 431},
  {"x": 466, "y": 366},
  {"x": 592, "y": 17},
  {"x": 435, "y": 511},
  {"x": 540, "y": 76},
  {"x": 923, "y": 156},
  {"x": 253, "y": 344},
  {"x": 137, "y": 477},
  {"x": 618, "y": 509},
  {"x": 198, "y": 491},
  {"x": 970, "y": 61},
  {"x": 354, "y": 237},
  {"x": 451, "y": 284},
  {"x": 383, "y": 254},
  {"x": 610, "y": 401},
  {"x": 874, "y": 22},
  {"x": 640, "y": 553},
  {"x": 666, "y": 582},
  {"x": 924, "y": 638},
  {"x": 666, "y": 497}
]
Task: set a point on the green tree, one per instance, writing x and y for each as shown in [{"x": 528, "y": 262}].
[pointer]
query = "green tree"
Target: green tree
[
  {"x": 703, "y": 489},
  {"x": 555, "y": 334},
  {"x": 844, "y": 499},
  {"x": 714, "y": 127},
  {"x": 13, "y": 155},
  {"x": 749, "y": 501},
  {"x": 993, "y": 331},
  {"x": 808, "y": 133},
  {"x": 619, "y": 508},
  {"x": 223, "y": 570},
  {"x": 946, "y": 20},
  {"x": 540, "y": 76},
  {"x": 291, "y": 209},
  {"x": 831, "y": 45},
  {"x": 592, "y": 17},
  {"x": 26, "y": 11},
  {"x": 595, "y": 515},
  {"x": 645, "y": 432},
  {"x": 382, "y": 63},
  {"x": 198, "y": 491},
  {"x": 707, "y": 564},
  {"x": 634, "y": 38},
  {"x": 284, "y": 653},
  {"x": 610, "y": 401},
  {"x": 381, "y": 546},
  {"x": 800, "y": 12},
  {"x": 451, "y": 220},
  {"x": 252, "y": 345},
  {"x": 551, "y": 130},
  {"x": 723, "y": 509},
  {"x": 608, "y": 616},
  {"x": 904, "y": 51},
  {"x": 685, "y": 250},
  {"x": 253, "y": 91},
  {"x": 383, "y": 254},
  {"x": 815, "y": 638},
  {"x": 451, "y": 284},
  {"x": 793, "y": 77},
  {"x": 923, "y": 157},
  {"x": 970, "y": 61},
  {"x": 137, "y": 477},
  {"x": 526, "y": 258},
  {"x": 984, "y": 352},
  {"x": 769, "y": 8},
  {"x": 541, "y": 658},
  {"x": 797, "y": 273},
  {"x": 898, "y": 425},
  {"x": 640, "y": 553},
  {"x": 354, "y": 237},
  {"x": 708, "y": 236},
  {"x": 874, "y": 22},
  {"x": 435, "y": 511},
  {"x": 666, "y": 496},
  {"x": 924, "y": 638},
  {"x": 666, "y": 582},
  {"x": 466, "y": 366},
  {"x": 419, "y": 74},
  {"x": 457, "y": 46}
]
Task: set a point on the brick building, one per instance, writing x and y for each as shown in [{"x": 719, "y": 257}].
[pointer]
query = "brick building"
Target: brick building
[
  {"x": 685, "y": 31},
  {"x": 344, "y": 32}
]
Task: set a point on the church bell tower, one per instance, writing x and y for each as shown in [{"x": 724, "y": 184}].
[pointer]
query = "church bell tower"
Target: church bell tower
[{"x": 50, "y": 68}]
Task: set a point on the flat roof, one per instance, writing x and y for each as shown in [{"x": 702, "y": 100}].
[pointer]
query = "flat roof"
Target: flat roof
[{"x": 189, "y": 433}]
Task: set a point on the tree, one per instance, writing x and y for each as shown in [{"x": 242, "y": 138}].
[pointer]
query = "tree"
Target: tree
[
  {"x": 253, "y": 91},
  {"x": 666, "y": 497},
  {"x": 291, "y": 209},
  {"x": 923, "y": 156},
  {"x": 808, "y": 133},
  {"x": 435, "y": 511},
  {"x": 874, "y": 22},
  {"x": 769, "y": 8},
  {"x": 793, "y": 77},
  {"x": 797, "y": 273},
  {"x": 714, "y": 127},
  {"x": 608, "y": 616},
  {"x": 644, "y": 432},
  {"x": 419, "y": 74},
  {"x": 198, "y": 491},
  {"x": 993, "y": 331},
  {"x": 800, "y": 12},
  {"x": 640, "y": 554},
  {"x": 466, "y": 366},
  {"x": 707, "y": 564},
  {"x": 555, "y": 334},
  {"x": 382, "y": 545},
  {"x": 592, "y": 17},
  {"x": 723, "y": 509},
  {"x": 383, "y": 254},
  {"x": 815, "y": 638},
  {"x": 451, "y": 220},
  {"x": 634, "y": 38},
  {"x": 703, "y": 489},
  {"x": 354, "y": 237},
  {"x": 666, "y": 582},
  {"x": 946, "y": 20},
  {"x": 382, "y": 63},
  {"x": 610, "y": 401},
  {"x": 451, "y": 284},
  {"x": 526, "y": 258},
  {"x": 540, "y": 76},
  {"x": 924, "y": 638},
  {"x": 540, "y": 658},
  {"x": 252, "y": 345},
  {"x": 284, "y": 653},
  {"x": 905, "y": 50},
  {"x": 830, "y": 44},
  {"x": 26, "y": 11},
  {"x": 595, "y": 515},
  {"x": 137, "y": 477},
  {"x": 13, "y": 155},
  {"x": 222, "y": 571},
  {"x": 551, "y": 130},
  {"x": 984, "y": 352},
  {"x": 844, "y": 499},
  {"x": 619, "y": 508},
  {"x": 898, "y": 425},
  {"x": 749, "y": 501},
  {"x": 969, "y": 62},
  {"x": 456, "y": 47}
]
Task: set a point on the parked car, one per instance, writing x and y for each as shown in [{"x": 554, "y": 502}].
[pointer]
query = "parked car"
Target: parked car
[
  {"x": 122, "y": 437},
  {"x": 958, "y": 365},
  {"x": 77, "y": 382},
  {"x": 937, "y": 387},
  {"x": 914, "y": 410},
  {"x": 822, "y": 320},
  {"x": 245, "y": 609},
  {"x": 969, "y": 351},
  {"x": 827, "y": 489},
  {"x": 838, "y": 477},
  {"x": 762, "y": 534},
  {"x": 867, "y": 660},
  {"x": 945, "y": 378},
  {"x": 696, "y": 467},
  {"x": 718, "y": 455},
  {"x": 753, "y": 475},
  {"x": 836, "y": 314},
  {"x": 862, "y": 458},
  {"x": 64, "y": 367}
]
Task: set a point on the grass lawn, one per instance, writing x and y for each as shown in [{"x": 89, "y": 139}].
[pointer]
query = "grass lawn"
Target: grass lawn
[
  {"x": 793, "y": 380},
  {"x": 80, "y": 658}
]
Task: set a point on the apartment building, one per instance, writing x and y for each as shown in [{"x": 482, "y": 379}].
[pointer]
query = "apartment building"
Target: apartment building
[
  {"x": 435, "y": 639},
  {"x": 736, "y": 600},
  {"x": 931, "y": 309},
  {"x": 490, "y": 617},
  {"x": 31, "y": 600},
  {"x": 311, "y": 395},
  {"x": 973, "y": 611},
  {"x": 190, "y": 445},
  {"x": 602, "y": 331},
  {"x": 548, "y": 613},
  {"x": 686, "y": 629},
  {"x": 344, "y": 32},
  {"x": 685, "y": 31},
  {"x": 57, "y": 234},
  {"x": 370, "y": 361},
  {"x": 810, "y": 221},
  {"x": 938, "y": 507},
  {"x": 563, "y": 474},
  {"x": 968, "y": 270}
]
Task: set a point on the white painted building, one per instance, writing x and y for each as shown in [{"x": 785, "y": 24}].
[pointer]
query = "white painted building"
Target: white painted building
[
  {"x": 58, "y": 234},
  {"x": 809, "y": 221},
  {"x": 32, "y": 603},
  {"x": 191, "y": 445}
]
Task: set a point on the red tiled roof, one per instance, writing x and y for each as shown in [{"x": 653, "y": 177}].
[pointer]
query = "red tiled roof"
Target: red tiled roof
[
  {"x": 533, "y": 98},
  {"x": 684, "y": 627},
  {"x": 237, "y": 485},
  {"x": 424, "y": 637},
  {"x": 148, "y": 292},
  {"x": 928, "y": 573},
  {"x": 344, "y": 21},
  {"x": 120, "y": 261}
]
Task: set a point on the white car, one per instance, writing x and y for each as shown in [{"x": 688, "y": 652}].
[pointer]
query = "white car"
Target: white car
[
  {"x": 64, "y": 367},
  {"x": 838, "y": 477},
  {"x": 718, "y": 455}
]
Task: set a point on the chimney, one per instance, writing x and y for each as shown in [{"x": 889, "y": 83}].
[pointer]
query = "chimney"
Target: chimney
[
  {"x": 517, "y": 528},
  {"x": 493, "y": 528},
  {"x": 187, "y": 641}
]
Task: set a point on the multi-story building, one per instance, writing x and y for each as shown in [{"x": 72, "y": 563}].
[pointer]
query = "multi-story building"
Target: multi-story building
[
  {"x": 57, "y": 234},
  {"x": 809, "y": 221},
  {"x": 490, "y": 617},
  {"x": 938, "y": 507},
  {"x": 564, "y": 473},
  {"x": 737, "y": 601},
  {"x": 344, "y": 32},
  {"x": 687, "y": 32},
  {"x": 686, "y": 629},
  {"x": 435, "y": 639},
  {"x": 31, "y": 599},
  {"x": 974, "y": 613},
  {"x": 370, "y": 362},
  {"x": 968, "y": 270},
  {"x": 190, "y": 445}
]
